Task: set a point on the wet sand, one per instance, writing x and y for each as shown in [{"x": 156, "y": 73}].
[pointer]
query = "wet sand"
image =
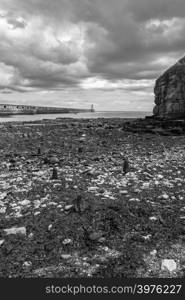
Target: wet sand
[{"x": 125, "y": 225}]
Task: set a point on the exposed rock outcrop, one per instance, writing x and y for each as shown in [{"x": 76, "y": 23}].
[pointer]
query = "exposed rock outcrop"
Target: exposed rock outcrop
[{"x": 170, "y": 92}]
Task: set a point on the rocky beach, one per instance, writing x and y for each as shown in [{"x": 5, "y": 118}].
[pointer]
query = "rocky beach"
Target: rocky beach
[{"x": 92, "y": 198}]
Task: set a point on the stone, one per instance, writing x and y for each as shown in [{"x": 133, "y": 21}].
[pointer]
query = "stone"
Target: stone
[
  {"x": 153, "y": 252},
  {"x": 15, "y": 230},
  {"x": 66, "y": 256},
  {"x": 1, "y": 242},
  {"x": 153, "y": 218},
  {"x": 25, "y": 202},
  {"x": 37, "y": 213},
  {"x": 31, "y": 235},
  {"x": 55, "y": 174},
  {"x": 123, "y": 192},
  {"x": 165, "y": 197},
  {"x": 2, "y": 210},
  {"x": 46, "y": 160},
  {"x": 95, "y": 236},
  {"x": 67, "y": 242},
  {"x": 27, "y": 264},
  {"x": 54, "y": 160},
  {"x": 134, "y": 200},
  {"x": 146, "y": 237},
  {"x": 50, "y": 227},
  {"x": 102, "y": 240},
  {"x": 136, "y": 191},
  {"x": 69, "y": 207},
  {"x": 37, "y": 203},
  {"x": 168, "y": 264},
  {"x": 47, "y": 271},
  {"x": 125, "y": 166},
  {"x": 170, "y": 92},
  {"x": 39, "y": 151}
]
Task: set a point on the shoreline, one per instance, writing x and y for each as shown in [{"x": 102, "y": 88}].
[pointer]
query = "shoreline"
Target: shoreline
[{"x": 127, "y": 224}]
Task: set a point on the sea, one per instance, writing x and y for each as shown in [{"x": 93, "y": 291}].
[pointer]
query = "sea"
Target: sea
[{"x": 88, "y": 115}]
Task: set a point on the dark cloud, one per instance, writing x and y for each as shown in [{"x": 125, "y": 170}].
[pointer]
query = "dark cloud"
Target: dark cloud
[
  {"x": 61, "y": 43},
  {"x": 143, "y": 10},
  {"x": 16, "y": 23}
]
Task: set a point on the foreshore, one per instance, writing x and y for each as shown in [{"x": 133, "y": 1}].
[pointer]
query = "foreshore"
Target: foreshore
[{"x": 68, "y": 207}]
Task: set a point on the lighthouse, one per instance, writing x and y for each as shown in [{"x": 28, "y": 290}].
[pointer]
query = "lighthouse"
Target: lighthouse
[{"x": 92, "y": 108}]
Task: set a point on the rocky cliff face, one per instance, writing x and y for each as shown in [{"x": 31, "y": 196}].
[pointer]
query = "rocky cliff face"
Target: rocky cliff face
[{"x": 170, "y": 92}]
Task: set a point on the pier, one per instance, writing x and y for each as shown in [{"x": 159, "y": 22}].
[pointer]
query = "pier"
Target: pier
[{"x": 14, "y": 109}]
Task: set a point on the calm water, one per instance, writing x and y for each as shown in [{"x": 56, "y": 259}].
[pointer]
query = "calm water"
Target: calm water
[{"x": 95, "y": 115}]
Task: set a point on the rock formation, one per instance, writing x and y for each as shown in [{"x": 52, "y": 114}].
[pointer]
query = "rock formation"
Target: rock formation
[{"x": 170, "y": 92}]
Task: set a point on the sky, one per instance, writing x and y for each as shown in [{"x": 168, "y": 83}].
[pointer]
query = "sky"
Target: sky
[{"x": 74, "y": 53}]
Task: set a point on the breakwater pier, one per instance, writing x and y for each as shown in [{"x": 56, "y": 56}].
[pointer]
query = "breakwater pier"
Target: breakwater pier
[{"x": 14, "y": 109}]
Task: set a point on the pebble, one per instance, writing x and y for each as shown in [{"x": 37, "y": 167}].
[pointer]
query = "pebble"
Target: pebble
[
  {"x": 102, "y": 240},
  {"x": 95, "y": 236},
  {"x": 68, "y": 207},
  {"x": 137, "y": 191},
  {"x": 15, "y": 230},
  {"x": 37, "y": 213},
  {"x": 165, "y": 197},
  {"x": 25, "y": 202},
  {"x": 168, "y": 264},
  {"x": 52, "y": 203},
  {"x": 92, "y": 188},
  {"x": 156, "y": 182},
  {"x": 123, "y": 192},
  {"x": 153, "y": 218},
  {"x": 65, "y": 256},
  {"x": 67, "y": 242},
  {"x": 1, "y": 242},
  {"x": 27, "y": 264},
  {"x": 145, "y": 185},
  {"x": 146, "y": 237},
  {"x": 37, "y": 203},
  {"x": 54, "y": 160},
  {"x": 134, "y": 200},
  {"x": 153, "y": 253},
  {"x": 30, "y": 236},
  {"x": 159, "y": 176},
  {"x": 2, "y": 195},
  {"x": 50, "y": 226},
  {"x": 182, "y": 208},
  {"x": 2, "y": 210}
]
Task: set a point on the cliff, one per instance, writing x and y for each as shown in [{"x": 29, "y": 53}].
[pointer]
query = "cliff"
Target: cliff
[{"x": 170, "y": 92}]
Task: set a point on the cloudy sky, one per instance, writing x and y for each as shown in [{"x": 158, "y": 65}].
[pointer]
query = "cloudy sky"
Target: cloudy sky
[{"x": 73, "y": 53}]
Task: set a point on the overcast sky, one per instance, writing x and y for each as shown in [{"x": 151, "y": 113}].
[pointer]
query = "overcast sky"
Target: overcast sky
[{"x": 73, "y": 53}]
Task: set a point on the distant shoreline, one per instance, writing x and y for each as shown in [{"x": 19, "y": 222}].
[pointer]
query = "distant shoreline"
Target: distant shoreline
[{"x": 93, "y": 115}]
